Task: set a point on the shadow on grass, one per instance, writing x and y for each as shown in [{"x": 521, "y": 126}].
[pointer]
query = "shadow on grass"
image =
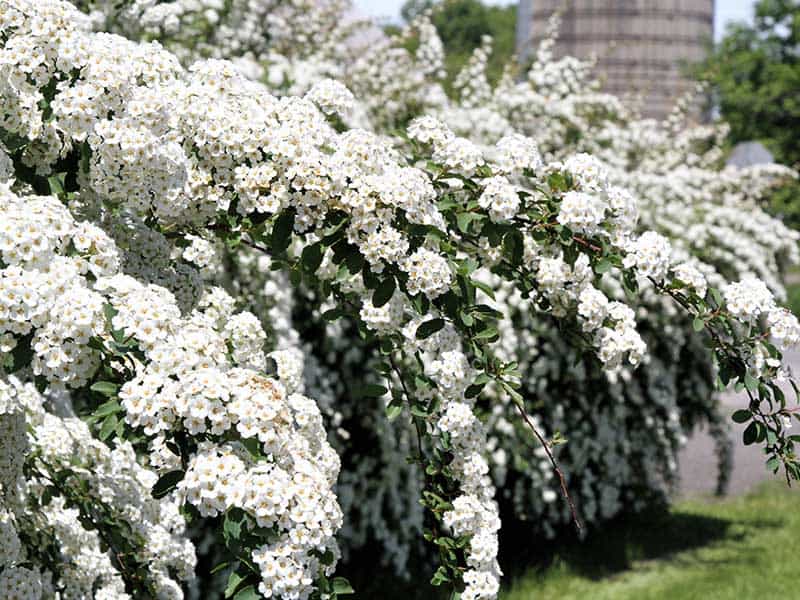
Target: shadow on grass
[
  {"x": 654, "y": 534},
  {"x": 371, "y": 579},
  {"x": 606, "y": 551}
]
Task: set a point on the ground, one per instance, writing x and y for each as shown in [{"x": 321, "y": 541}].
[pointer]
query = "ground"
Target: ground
[
  {"x": 742, "y": 546},
  {"x": 698, "y": 463},
  {"x": 731, "y": 549}
]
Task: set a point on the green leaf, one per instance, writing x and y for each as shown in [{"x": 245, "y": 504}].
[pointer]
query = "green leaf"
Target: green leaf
[
  {"x": 110, "y": 312},
  {"x": 771, "y": 436},
  {"x": 513, "y": 247},
  {"x": 418, "y": 410},
  {"x": 85, "y": 154},
  {"x": 698, "y": 324},
  {"x": 571, "y": 253},
  {"x": 232, "y": 525},
  {"x": 22, "y": 354},
  {"x": 742, "y": 416},
  {"x": 440, "y": 576},
  {"x": 484, "y": 171},
  {"x": 234, "y": 580},
  {"x": 750, "y": 434},
  {"x": 486, "y": 289},
  {"x": 750, "y": 382},
  {"x": 108, "y": 427},
  {"x": 630, "y": 284},
  {"x": 428, "y": 328},
  {"x": 282, "y": 231},
  {"x": 107, "y": 408},
  {"x": 384, "y": 291},
  {"x": 333, "y": 314},
  {"x": 220, "y": 567},
  {"x": 247, "y": 593},
  {"x": 312, "y": 257},
  {"x": 105, "y": 387},
  {"x": 473, "y": 390},
  {"x": 253, "y": 446},
  {"x": 464, "y": 219},
  {"x": 489, "y": 332},
  {"x": 393, "y": 410},
  {"x": 372, "y": 390},
  {"x": 482, "y": 379},
  {"x": 716, "y": 296},
  {"x": 166, "y": 483},
  {"x": 56, "y": 183},
  {"x": 342, "y": 587},
  {"x": 602, "y": 266}
]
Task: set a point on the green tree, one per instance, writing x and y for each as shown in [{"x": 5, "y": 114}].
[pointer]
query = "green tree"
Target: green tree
[
  {"x": 755, "y": 72},
  {"x": 462, "y": 23}
]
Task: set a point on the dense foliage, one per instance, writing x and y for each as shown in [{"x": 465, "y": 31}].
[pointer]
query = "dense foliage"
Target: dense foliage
[
  {"x": 269, "y": 295},
  {"x": 462, "y": 24},
  {"x": 755, "y": 72}
]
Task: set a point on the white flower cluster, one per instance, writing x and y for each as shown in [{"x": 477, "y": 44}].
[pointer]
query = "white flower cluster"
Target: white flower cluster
[
  {"x": 471, "y": 82},
  {"x": 784, "y": 328},
  {"x": 594, "y": 206},
  {"x": 200, "y": 251},
  {"x": 748, "y": 298},
  {"x": 689, "y": 274},
  {"x": 292, "y": 492},
  {"x": 115, "y": 478},
  {"x": 428, "y": 272},
  {"x": 453, "y": 152},
  {"x": 474, "y": 512},
  {"x": 430, "y": 54},
  {"x": 21, "y": 582},
  {"x": 612, "y": 322},
  {"x": 184, "y": 144},
  {"x": 650, "y": 254},
  {"x": 500, "y": 198},
  {"x": 582, "y": 212},
  {"x": 172, "y": 147},
  {"x": 47, "y": 257},
  {"x": 516, "y": 152},
  {"x": 388, "y": 317},
  {"x": 331, "y": 96},
  {"x": 588, "y": 172},
  {"x": 188, "y": 381}
]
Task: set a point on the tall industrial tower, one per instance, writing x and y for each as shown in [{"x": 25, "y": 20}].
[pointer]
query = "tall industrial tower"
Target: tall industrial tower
[{"x": 641, "y": 44}]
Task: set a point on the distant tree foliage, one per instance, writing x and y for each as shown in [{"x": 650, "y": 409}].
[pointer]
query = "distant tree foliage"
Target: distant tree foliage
[
  {"x": 755, "y": 70},
  {"x": 462, "y": 23}
]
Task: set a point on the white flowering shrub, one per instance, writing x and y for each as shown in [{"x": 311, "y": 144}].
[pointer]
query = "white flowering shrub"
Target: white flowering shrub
[{"x": 224, "y": 275}]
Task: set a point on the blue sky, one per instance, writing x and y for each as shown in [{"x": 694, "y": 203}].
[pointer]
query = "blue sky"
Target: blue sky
[{"x": 727, "y": 10}]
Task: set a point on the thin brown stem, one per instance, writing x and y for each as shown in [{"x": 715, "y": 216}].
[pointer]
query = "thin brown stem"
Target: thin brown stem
[
  {"x": 564, "y": 491},
  {"x": 399, "y": 375}
]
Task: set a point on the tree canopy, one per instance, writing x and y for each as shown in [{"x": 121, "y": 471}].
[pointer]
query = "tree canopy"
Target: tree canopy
[
  {"x": 756, "y": 72},
  {"x": 462, "y": 23}
]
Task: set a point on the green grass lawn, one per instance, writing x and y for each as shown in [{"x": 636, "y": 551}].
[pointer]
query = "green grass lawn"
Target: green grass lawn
[
  {"x": 742, "y": 549},
  {"x": 793, "y": 297}
]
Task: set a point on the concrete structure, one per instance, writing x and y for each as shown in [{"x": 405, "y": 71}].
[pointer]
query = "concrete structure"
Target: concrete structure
[
  {"x": 641, "y": 44},
  {"x": 747, "y": 154}
]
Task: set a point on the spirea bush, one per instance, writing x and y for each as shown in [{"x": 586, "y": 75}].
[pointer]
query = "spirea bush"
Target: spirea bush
[{"x": 269, "y": 295}]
